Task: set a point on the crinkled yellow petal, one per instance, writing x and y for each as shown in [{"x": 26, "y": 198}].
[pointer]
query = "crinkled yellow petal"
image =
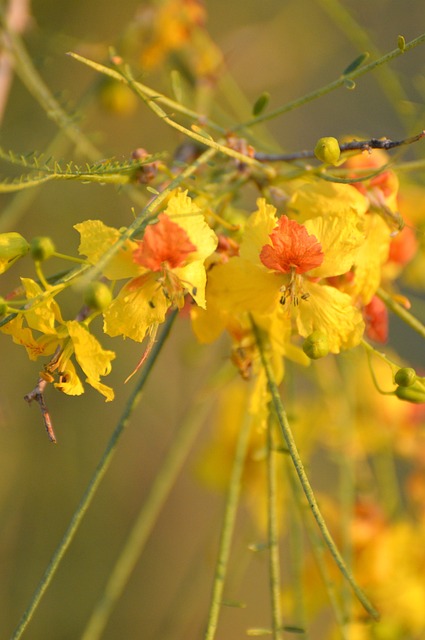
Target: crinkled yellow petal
[
  {"x": 257, "y": 231},
  {"x": 209, "y": 323},
  {"x": 184, "y": 212},
  {"x": 96, "y": 239},
  {"x": 70, "y": 382},
  {"x": 239, "y": 285},
  {"x": 193, "y": 277},
  {"x": 369, "y": 259},
  {"x": 329, "y": 310},
  {"x": 22, "y": 335},
  {"x": 326, "y": 198},
  {"x": 42, "y": 316},
  {"x": 340, "y": 239},
  {"x": 135, "y": 309},
  {"x": 92, "y": 358}
]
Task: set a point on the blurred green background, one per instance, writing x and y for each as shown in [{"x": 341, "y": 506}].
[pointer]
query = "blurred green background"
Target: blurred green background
[{"x": 285, "y": 47}]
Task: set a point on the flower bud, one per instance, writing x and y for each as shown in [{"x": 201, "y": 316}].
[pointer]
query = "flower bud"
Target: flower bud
[
  {"x": 316, "y": 345},
  {"x": 97, "y": 296},
  {"x": 41, "y": 248},
  {"x": 12, "y": 247},
  {"x": 415, "y": 393},
  {"x": 327, "y": 150},
  {"x": 405, "y": 377}
]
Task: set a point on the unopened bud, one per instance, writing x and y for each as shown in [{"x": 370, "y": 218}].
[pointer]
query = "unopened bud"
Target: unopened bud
[
  {"x": 41, "y": 248},
  {"x": 316, "y": 345},
  {"x": 12, "y": 247},
  {"x": 405, "y": 377},
  {"x": 415, "y": 393},
  {"x": 327, "y": 150},
  {"x": 97, "y": 296}
]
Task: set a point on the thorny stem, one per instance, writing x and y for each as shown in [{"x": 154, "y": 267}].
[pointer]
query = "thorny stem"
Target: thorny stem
[
  {"x": 304, "y": 481},
  {"x": 94, "y": 482}
]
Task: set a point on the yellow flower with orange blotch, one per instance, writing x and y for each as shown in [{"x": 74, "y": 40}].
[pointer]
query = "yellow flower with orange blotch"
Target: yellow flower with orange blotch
[
  {"x": 62, "y": 340},
  {"x": 164, "y": 265},
  {"x": 282, "y": 269}
]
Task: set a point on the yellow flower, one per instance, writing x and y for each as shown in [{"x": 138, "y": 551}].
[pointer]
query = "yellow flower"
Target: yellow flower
[
  {"x": 164, "y": 265},
  {"x": 62, "y": 339},
  {"x": 281, "y": 270},
  {"x": 12, "y": 247}
]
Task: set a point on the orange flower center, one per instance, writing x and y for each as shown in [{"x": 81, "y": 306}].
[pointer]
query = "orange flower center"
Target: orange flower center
[{"x": 165, "y": 244}]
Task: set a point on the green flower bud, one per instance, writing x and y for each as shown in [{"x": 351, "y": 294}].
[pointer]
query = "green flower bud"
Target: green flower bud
[
  {"x": 415, "y": 393},
  {"x": 12, "y": 247},
  {"x": 327, "y": 150},
  {"x": 41, "y": 248},
  {"x": 3, "y": 307},
  {"x": 405, "y": 377},
  {"x": 98, "y": 296},
  {"x": 316, "y": 345}
]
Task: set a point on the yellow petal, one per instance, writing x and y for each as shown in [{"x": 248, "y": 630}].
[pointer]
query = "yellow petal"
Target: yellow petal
[
  {"x": 240, "y": 285},
  {"x": 325, "y": 199},
  {"x": 12, "y": 247},
  {"x": 96, "y": 239},
  {"x": 329, "y": 310},
  {"x": 70, "y": 382},
  {"x": 257, "y": 231},
  {"x": 340, "y": 239},
  {"x": 135, "y": 309},
  {"x": 41, "y": 316},
  {"x": 92, "y": 358}
]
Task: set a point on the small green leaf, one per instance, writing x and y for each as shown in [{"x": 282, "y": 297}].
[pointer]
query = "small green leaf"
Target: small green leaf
[
  {"x": 291, "y": 629},
  {"x": 356, "y": 63},
  {"x": 401, "y": 43},
  {"x": 260, "y": 104}
]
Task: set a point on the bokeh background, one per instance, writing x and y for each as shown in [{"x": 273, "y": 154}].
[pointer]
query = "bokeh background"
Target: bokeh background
[{"x": 285, "y": 47}]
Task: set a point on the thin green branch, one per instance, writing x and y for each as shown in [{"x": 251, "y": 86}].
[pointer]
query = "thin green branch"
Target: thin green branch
[
  {"x": 227, "y": 529},
  {"x": 339, "y": 82},
  {"x": 148, "y": 514},
  {"x": 94, "y": 483},
  {"x": 305, "y": 483},
  {"x": 273, "y": 535},
  {"x": 401, "y": 312},
  {"x": 388, "y": 79}
]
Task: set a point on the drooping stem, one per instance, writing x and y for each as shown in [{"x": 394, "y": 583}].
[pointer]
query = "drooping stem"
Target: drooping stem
[
  {"x": 93, "y": 484},
  {"x": 304, "y": 481},
  {"x": 401, "y": 312}
]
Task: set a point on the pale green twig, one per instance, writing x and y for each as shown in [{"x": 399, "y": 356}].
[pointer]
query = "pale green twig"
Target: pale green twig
[
  {"x": 148, "y": 514},
  {"x": 305, "y": 483},
  {"x": 227, "y": 529}
]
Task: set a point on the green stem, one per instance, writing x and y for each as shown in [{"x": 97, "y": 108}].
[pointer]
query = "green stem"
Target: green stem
[
  {"x": 339, "y": 82},
  {"x": 133, "y": 547},
  {"x": 94, "y": 482},
  {"x": 401, "y": 312},
  {"x": 388, "y": 79},
  {"x": 305, "y": 483},
  {"x": 273, "y": 537},
  {"x": 319, "y": 555},
  {"x": 227, "y": 529}
]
